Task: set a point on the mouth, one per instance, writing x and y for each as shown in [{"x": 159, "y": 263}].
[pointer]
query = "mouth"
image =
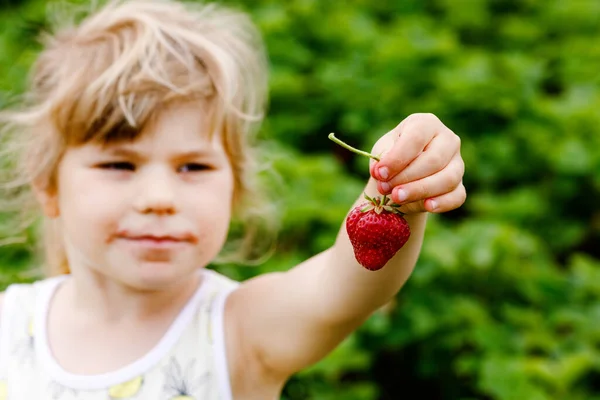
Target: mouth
[{"x": 156, "y": 241}]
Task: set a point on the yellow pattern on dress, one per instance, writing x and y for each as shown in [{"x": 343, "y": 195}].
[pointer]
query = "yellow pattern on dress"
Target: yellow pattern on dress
[
  {"x": 3, "y": 391},
  {"x": 126, "y": 389}
]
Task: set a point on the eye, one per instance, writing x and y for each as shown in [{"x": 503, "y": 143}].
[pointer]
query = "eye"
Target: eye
[
  {"x": 194, "y": 167},
  {"x": 120, "y": 166}
]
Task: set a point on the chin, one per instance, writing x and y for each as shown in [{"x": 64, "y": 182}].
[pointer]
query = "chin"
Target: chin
[{"x": 160, "y": 276}]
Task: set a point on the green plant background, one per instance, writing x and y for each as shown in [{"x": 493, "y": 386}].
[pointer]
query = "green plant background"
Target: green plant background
[{"x": 504, "y": 303}]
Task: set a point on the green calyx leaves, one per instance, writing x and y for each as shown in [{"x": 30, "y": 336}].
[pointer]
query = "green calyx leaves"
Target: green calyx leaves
[{"x": 380, "y": 204}]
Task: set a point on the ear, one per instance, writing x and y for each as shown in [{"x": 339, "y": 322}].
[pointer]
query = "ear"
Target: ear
[{"x": 48, "y": 200}]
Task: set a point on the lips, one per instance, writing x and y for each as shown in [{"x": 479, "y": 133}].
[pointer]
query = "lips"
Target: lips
[{"x": 157, "y": 239}]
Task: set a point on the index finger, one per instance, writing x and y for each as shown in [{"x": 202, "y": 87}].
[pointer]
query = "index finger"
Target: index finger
[{"x": 414, "y": 134}]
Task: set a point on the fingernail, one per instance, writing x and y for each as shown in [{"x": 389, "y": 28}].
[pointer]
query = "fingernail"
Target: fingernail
[
  {"x": 383, "y": 172},
  {"x": 385, "y": 187},
  {"x": 401, "y": 195},
  {"x": 432, "y": 204}
]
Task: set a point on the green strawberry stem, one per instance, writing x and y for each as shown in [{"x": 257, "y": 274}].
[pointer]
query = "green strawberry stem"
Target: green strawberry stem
[
  {"x": 352, "y": 149},
  {"x": 378, "y": 202}
]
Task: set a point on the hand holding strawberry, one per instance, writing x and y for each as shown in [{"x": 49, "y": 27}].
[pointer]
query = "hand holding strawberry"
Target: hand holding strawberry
[
  {"x": 421, "y": 169},
  {"x": 420, "y": 166}
]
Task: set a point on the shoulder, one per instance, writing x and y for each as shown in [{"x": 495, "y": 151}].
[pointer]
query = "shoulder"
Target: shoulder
[
  {"x": 4, "y": 303},
  {"x": 23, "y": 295},
  {"x": 219, "y": 283}
]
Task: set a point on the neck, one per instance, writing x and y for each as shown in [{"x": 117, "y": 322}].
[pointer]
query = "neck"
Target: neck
[{"x": 93, "y": 294}]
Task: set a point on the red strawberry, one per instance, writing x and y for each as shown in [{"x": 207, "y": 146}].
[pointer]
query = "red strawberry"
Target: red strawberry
[{"x": 377, "y": 230}]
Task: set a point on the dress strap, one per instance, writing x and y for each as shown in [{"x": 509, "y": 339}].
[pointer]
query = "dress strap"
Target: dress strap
[{"x": 16, "y": 315}]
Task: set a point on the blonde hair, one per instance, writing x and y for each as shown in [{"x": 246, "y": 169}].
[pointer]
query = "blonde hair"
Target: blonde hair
[{"x": 103, "y": 78}]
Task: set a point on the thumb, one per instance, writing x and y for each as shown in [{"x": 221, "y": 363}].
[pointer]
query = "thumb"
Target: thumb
[{"x": 380, "y": 149}]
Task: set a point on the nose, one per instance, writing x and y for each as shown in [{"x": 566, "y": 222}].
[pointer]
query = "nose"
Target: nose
[{"x": 155, "y": 192}]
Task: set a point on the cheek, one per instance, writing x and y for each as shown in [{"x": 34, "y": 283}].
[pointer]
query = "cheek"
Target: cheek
[
  {"x": 87, "y": 207},
  {"x": 212, "y": 237},
  {"x": 89, "y": 200},
  {"x": 213, "y": 211}
]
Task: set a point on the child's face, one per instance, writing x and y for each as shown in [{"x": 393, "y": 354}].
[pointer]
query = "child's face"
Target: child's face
[{"x": 148, "y": 213}]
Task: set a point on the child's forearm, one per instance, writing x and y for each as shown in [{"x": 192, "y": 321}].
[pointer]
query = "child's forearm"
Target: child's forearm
[{"x": 358, "y": 291}]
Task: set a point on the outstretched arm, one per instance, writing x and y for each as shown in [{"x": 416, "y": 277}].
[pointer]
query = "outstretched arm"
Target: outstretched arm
[{"x": 293, "y": 319}]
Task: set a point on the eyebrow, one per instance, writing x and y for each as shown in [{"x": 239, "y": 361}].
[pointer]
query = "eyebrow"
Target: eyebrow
[{"x": 130, "y": 153}]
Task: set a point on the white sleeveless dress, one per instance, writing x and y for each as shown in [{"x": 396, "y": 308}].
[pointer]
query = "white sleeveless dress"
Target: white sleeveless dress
[{"x": 189, "y": 362}]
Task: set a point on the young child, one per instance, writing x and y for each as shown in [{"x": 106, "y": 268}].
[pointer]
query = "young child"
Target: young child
[{"x": 136, "y": 140}]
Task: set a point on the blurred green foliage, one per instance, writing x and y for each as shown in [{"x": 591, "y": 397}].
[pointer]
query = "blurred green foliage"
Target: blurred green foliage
[{"x": 504, "y": 303}]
